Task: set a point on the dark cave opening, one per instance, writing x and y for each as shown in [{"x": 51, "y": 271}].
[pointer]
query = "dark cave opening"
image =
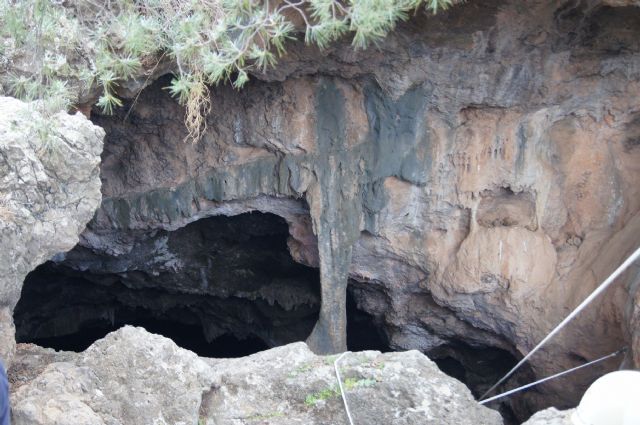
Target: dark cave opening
[
  {"x": 363, "y": 333},
  {"x": 481, "y": 367},
  {"x": 184, "y": 335},
  {"x": 477, "y": 366},
  {"x": 221, "y": 287}
]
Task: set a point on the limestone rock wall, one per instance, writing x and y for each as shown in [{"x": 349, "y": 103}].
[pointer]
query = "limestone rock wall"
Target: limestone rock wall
[
  {"x": 472, "y": 179},
  {"x": 475, "y": 176},
  {"x": 49, "y": 190}
]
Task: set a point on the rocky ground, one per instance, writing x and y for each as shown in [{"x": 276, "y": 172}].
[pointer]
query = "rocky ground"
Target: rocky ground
[
  {"x": 49, "y": 190},
  {"x": 134, "y": 377}
]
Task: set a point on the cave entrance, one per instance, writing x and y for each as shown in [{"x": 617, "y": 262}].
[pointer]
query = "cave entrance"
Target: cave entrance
[
  {"x": 479, "y": 367},
  {"x": 363, "y": 330},
  {"x": 221, "y": 287}
]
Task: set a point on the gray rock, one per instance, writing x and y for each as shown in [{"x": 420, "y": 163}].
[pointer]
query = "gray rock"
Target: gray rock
[
  {"x": 134, "y": 377},
  {"x": 291, "y": 385},
  {"x": 551, "y": 416},
  {"x": 49, "y": 190},
  {"x": 129, "y": 377}
]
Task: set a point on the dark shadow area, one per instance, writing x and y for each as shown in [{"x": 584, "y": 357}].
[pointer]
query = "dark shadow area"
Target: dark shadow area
[
  {"x": 362, "y": 331},
  {"x": 231, "y": 289},
  {"x": 185, "y": 336},
  {"x": 479, "y": 368},
  {"x": 453, "y": 368}
]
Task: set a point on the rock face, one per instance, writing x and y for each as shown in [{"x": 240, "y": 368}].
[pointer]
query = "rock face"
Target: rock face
[
  {"x": 551, "y": 416},
  {"x": 299, "y": 387},
  {"x": 133, "y": 377},
  {"x": 471, "y": 180},
  {"x": 129, "y": 377},
  {"x": 49, "y": 190}
]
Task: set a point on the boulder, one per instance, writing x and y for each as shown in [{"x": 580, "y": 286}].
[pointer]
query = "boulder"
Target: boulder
[
  {"x": 134, "y": 377},
  {"x": 551, "y": 416},
  {"x": 49, "y": 190}
]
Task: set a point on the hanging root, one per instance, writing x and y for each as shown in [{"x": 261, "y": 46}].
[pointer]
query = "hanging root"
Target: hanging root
[{"x": 197, "y": 109}]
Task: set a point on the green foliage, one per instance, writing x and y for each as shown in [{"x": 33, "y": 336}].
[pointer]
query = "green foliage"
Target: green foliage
[
  {"x": 180, "y": 88},
  {"x": 352, "y": 383},
  {"x": 23, "y": 87},
  {"x": 324, "y": 394},
  {"x": 303, "y": 368},
  {"x": 330, "y": 360},
  {"x": 211, "y": 41},
  {"x": 58, "y": 97},
  {"x": 334, "y": 391},
  {"x": 13, "y": 22},
  {"x": 108, "y": 101}
]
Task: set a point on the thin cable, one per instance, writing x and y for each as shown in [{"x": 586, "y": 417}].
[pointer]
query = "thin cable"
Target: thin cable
[
  {"x": 344, "y": 397},
  {"x": 548, "y": 378},
  {"x": 573, "y": 314}
]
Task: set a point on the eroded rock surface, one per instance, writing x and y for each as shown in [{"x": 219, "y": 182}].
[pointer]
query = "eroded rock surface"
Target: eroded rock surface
[
  {"x": 132, "y": 376},
  {"x": 398, "y": 388},
  {"x": 49, "y": 190},
  {"x": 129, "y": 377},
  {"x": 475, "y": 177},
  {"x": 471, "y": 180},
  {"x": 551, "y": 416}
]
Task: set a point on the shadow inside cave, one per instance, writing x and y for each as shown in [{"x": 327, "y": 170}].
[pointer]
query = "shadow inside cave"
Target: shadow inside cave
[
  {"x": 231, "y": 289},
  {"x": 220, "y": 287}
]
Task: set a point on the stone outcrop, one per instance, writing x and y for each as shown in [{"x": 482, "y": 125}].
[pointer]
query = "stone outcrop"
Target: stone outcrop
[
  {"x": 49, "y": 190},
  {"x": 472, "y": 179},
  {"x": 132, "y": 376},
  {"x": 469, "y": 181},
  {"x": 551, "y": 416},
  {"x": 129, "y": 377}
]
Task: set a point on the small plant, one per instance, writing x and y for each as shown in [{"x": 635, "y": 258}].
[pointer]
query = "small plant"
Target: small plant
[
  {"x": 303, "y": 368},
  {"x": 351, "y": 383},
  {"x": 334, "y": 391},
  {"x": 325, "y": 394},
  {"x": 330, "y": 360}
]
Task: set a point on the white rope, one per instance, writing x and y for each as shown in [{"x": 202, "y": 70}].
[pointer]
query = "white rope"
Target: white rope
[
  {"x": 548, "y": 378},
  {"x": 573, "y": 314},
  {"x": 344, "y": 396}
]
